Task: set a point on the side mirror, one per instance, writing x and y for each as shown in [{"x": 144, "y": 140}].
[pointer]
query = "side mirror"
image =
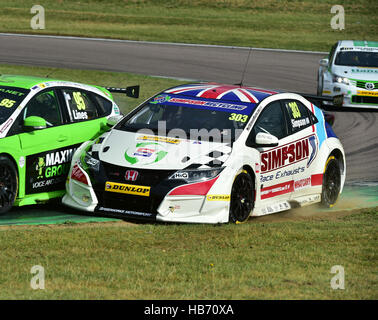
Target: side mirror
[
  {"x": 266, "y": 140},
  {"x": 113, "y": 120},
  {"x": 323, "y": 63},
  {"x": 34, "y": 123}
]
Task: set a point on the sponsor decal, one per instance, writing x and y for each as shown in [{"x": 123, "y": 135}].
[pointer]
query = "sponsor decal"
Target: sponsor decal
[
  {"x": 281, "y": 174},
  {"x": 121, "y": 211},
  {"x": 159, "y": 139},
  {"x": 367, "y": 93},
  {"x": 277, "y": 190},
  {"x": 21, "y": 161},
  {"x": 180, "y": 175},
  {"x": 218, "y": 197},
  {"x": 6, "y": 125},
  {"x": 202, "y": 104},
  {"x": 131, "y": 175},
  {"x": 47, "y": 171},
  {"x": 12, "y": 92},
  {"x": 160, "y": 99},
  {"x": 78, "y": 174},
  {"x": 146, "y": 153},
  {"x": 275, "y": 208},
  {"x": 127, "y": 189},
  {"x": 365, "y": 70},
  {"x": 302, "y": 183},
  {"x": 290, "y": 186},
  {"x": 217, "y": 105},
  {"x": 300, "y": 123},
  {"x": 299, "y": 150}
]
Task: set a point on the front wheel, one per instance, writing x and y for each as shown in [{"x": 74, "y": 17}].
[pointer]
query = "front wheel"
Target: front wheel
[
  {"x": 331, "y": 183},
  {"x": 8, "y": 184},
  {"x": 242, "y": 198}
]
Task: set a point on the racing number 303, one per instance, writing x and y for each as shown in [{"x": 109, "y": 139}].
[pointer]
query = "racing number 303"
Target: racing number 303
[
  {"x": 7, "y": 103},
  {"x": 295, "y": 110},
  {"x": 238, "y": 117}
]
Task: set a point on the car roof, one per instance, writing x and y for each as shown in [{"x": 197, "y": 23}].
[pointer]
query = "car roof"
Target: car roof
[
  {"x": 358, "y": 45},
  {"x": 30, "y": 82},
  {"x": 25, "y": 82},
  {"x": 221, "y": 92}
]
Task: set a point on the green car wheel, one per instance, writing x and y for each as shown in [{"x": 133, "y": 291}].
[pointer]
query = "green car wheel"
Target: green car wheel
[{"x": 8, "y": 184}]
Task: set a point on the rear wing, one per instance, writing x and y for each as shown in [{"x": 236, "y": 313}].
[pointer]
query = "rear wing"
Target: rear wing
[
  {"x": 335, "y": 101},
  {"x": 132, "y": 92}
]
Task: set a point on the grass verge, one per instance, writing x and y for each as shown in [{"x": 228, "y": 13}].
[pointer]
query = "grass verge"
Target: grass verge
[
  {"x": 289, "y": 260},
  {"x": 289, "y": 24}
]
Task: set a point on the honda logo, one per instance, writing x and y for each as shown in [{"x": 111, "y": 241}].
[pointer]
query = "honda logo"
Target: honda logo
[{"x": 131, "y": 175}]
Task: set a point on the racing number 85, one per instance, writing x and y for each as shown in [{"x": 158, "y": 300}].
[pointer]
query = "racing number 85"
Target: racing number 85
[
  {"x": 238, "y": 117},
  {"x": 7, "y": 103}
]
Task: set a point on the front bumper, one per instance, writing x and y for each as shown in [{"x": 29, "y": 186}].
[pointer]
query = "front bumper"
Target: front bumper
[
  {"x": 356, "y": 97},
  {"x": 158, "y": 206}
]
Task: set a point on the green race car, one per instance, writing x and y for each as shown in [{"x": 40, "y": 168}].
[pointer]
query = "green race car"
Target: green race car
[{"x": 42, "y": 122}]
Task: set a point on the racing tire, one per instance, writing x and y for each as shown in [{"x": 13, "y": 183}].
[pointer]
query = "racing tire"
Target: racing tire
[
  {"x": 8, "y": 184},
  {"x": 331, "y": 183},
  {"x": 242, "y": 198}
]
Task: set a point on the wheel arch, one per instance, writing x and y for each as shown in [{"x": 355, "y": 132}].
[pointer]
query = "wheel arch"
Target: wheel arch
[
  {"x": 339, "y": 157},
  {"x": 251, "y": 172},
  {"x": 9, "y": 156}
]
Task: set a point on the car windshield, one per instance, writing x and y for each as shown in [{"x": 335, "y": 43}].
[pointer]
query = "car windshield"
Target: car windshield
[
  {"x": 357, "y": 59},
  {"x": 175, "y": 115},
  {"x": 10, "y": 99}
]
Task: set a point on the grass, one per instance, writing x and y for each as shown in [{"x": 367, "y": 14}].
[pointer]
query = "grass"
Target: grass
[
  {"x": 118, "y": 260},
  {"x": 289, "y": 24},
  {"x": 148, "y": 85},
  {"x": 290, "y": 260}
]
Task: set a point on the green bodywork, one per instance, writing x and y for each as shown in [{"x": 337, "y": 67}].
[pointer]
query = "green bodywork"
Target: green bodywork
[{"x": 34, "y": 142}]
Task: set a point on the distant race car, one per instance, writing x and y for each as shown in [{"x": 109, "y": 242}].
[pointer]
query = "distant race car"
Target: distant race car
[
  {"x": 42, "y": 122},
  {"x": 210, "y": 153},
  {"x": 351, "y": 69}
]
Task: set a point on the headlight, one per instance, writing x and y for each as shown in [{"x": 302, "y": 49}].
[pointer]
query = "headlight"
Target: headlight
[
  {"x": 89, "y": 162},
  {"x": 197, "y": 175},
  {"x": 339, "y": 79}
]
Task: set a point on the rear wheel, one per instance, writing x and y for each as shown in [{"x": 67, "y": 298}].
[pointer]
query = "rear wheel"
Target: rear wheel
[
  {"x": 331, "y": 183},
  {"x": 8, "y": 184},
  {"x": 242, "y": 198}
]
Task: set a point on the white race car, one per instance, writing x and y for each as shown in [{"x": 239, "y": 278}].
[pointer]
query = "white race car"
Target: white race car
[
  {"x": 210, "y": 153},
  {"x": 351, "y": 69}
]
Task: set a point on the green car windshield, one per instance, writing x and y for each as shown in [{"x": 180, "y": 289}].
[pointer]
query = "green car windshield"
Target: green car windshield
[{"x": 10, "y": 99}]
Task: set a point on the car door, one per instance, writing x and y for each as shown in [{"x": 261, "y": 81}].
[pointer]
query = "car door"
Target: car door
[
  {"x": 275, "y": 165},
  {"x": 303, "y": 137},
  {"x": 86, "y": 115},
  {"x": 47, "y": 151}
]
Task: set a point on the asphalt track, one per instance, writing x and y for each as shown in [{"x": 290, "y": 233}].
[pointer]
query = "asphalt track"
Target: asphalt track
[{"x": 284, "y": 70}]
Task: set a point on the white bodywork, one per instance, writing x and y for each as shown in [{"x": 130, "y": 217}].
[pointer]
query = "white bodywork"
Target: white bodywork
[
  {"x": 272, "y": 188},
  {"x": 354, "y": 82}
]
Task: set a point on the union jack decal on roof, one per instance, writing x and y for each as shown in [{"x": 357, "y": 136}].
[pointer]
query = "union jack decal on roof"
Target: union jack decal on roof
[{"x": 222, "y": 92}]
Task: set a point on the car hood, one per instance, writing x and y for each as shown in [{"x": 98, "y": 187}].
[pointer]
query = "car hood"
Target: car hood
[
  {"x": 145, "y": 151},
  {"x": 358, "y": 73}
]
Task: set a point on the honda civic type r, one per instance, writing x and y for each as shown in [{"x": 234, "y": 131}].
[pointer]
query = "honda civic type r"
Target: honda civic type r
[{"x": 210, "y": 153}]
